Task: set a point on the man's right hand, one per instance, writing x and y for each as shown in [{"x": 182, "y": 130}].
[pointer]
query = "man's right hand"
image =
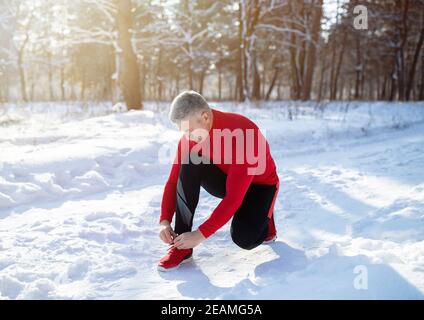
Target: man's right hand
[{"x": 166, "y": 233}]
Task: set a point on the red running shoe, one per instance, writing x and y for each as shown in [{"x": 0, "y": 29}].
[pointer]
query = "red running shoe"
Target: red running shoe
[
  {"x": 174, "y": 258},
  {"x": 272, "y": 232}
]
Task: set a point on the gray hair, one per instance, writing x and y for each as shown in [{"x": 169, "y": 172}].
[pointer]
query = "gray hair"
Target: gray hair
[{"x": 187, "y": 104}]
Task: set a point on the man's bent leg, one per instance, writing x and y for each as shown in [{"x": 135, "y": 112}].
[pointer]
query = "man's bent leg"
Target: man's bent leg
[{"x": 249, "y": 227}]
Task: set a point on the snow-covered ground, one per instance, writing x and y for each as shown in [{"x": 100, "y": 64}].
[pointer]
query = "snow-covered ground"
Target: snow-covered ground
[{"x": 80, "y": 192}]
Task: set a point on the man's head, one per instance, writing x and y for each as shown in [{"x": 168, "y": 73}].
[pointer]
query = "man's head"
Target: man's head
[{"x": 192, "y": 114}]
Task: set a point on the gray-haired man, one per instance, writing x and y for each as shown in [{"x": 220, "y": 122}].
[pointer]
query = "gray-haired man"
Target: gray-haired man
[{"x": 227, "y": 155}]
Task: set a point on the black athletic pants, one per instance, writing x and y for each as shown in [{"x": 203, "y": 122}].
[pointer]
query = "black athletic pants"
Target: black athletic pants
[{"x": 249, "y": 226}]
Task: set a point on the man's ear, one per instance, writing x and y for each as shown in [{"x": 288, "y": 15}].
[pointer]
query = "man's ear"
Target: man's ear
[{"x": 205, "y": 115}]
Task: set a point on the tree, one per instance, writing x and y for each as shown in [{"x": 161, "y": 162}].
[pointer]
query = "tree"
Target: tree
[{"x": 130, "y": 77}]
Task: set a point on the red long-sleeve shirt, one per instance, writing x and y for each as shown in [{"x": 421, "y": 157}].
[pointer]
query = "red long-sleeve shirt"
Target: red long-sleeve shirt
[{"x": 244, "y": 163}]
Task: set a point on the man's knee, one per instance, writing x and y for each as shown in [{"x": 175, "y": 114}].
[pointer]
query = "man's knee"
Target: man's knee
[{"x": 245, "y": 240}]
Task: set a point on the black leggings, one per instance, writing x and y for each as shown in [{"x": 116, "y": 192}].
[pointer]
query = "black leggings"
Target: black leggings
[{"x": 249, "y": 226}]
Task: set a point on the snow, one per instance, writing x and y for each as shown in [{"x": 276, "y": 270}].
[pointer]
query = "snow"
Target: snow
[{"x": 81, "y": 185}]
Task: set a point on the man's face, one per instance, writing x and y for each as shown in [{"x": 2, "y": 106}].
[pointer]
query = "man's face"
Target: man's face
[{"x": 196, "y": 127}]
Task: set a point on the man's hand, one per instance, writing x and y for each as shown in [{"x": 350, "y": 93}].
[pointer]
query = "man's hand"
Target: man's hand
[
  {"x": 166, "y": 233},
  {"x": 189, "y": 240}
]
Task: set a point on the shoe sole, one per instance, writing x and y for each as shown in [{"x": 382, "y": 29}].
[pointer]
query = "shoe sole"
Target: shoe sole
[
  {"x": 270, "y": 241},
  {"x": 162, "y": 269}
]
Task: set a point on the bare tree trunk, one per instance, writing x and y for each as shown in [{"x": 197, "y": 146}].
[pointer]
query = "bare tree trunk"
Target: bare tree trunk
[
  {"x": 363, "y": 70},
  {"x": 62, "y": 82},
  {"x": 421, "y": 94},
  {"x": 159, "y": 90},
  {"x": 231, "y": 88},
  {"x": 245, "y": 40},
  {"x": 414, "y": 64},
  {"x": 32, "y": 85},
  {"x": 22, "y": 78},
  {"x": 2, "y": 94},
  {"x": 383, "y": 89},
  {"x": 219, "y": 84},
  {"x": 110, "y": 81},
  {"x": 264, "y": 80},
  {"x": 21, "y": 61},
  {"x": 359, "y": 68},
  {"x": 349, "y": 90},
  {"x": 201, "y": 81},
  {"x": 311, "y": 56},
  {"x": 83, "y": 85},
  {"x": 190, "y": 74},
  {"x": 295, "y": 71},
  {"x": 239, "y": 86},
  {"x": 7, "y": 87},
  {"x": 22, "y": 70},
  {"x": 130, "y": 75},
  {"x": 50, "y": 75},
  {"x": 294, "y": 74},
  {"x": 338, "y": 68},
  {"x": 143, "y": 79},
  {"x": 271, "y": 86},
  {"x": 341, "y": 91},
  {"x": 158, "y": 78},
  {"x": 392, "y": 87},
  {"x": 3, "y": 88},
  {"x": 400, "y": 50},
  {"x": 236, "y": 90},
  {"x": 321, "y": 77},
  {"x": 279, "y": 90},
  {"x": 177, "y": 84},
  {"x": 250, "y": 11},
  {"x": 376, "y": 94},
  {"x": 256, "y": 88}
]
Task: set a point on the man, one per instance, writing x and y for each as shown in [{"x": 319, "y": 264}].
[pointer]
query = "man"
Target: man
[{"x": 227, "y": 155}]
